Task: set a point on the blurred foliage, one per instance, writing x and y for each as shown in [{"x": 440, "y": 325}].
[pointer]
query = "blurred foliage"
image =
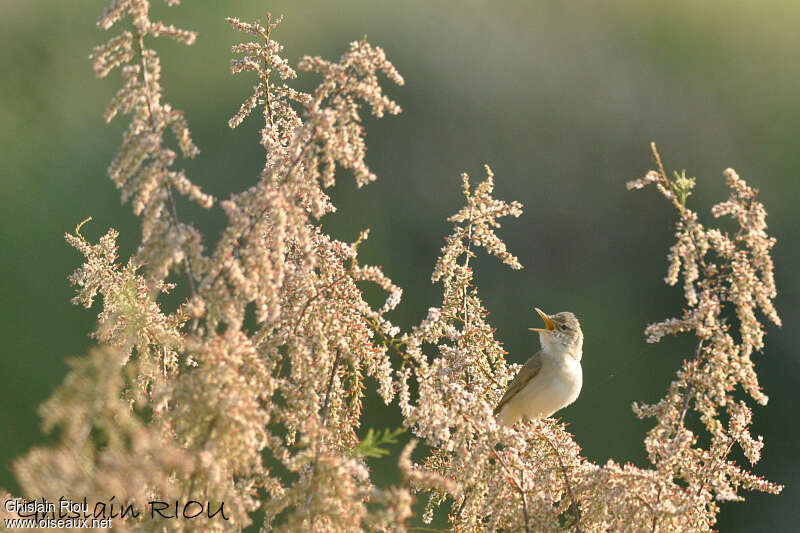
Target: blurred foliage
[{"x": 560, "y": 98}]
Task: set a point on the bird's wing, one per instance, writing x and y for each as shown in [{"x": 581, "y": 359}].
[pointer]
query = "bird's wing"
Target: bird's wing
[{"x": 529, "y": 371}]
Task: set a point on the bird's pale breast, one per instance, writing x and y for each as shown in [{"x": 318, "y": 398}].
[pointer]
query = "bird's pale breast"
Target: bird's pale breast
[{"x": 556, "y": 386}]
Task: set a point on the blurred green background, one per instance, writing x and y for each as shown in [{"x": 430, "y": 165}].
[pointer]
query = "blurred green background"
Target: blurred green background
[{"x": 560, "y": 98}]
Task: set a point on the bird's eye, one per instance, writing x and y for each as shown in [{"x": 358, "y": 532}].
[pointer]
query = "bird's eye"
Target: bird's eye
[{"x": 563, "y": 327}]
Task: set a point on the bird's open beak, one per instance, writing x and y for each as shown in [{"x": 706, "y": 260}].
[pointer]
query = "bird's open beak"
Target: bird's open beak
[{"x": 547, "y": 322}]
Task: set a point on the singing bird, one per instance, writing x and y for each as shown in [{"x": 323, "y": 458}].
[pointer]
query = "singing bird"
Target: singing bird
[{"x": 552, "y": 378}]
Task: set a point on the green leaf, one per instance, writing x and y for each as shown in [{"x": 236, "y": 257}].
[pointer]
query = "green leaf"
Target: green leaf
[
  {"x": 374, "y": 442},
  {"x": 682, "y": 186}
]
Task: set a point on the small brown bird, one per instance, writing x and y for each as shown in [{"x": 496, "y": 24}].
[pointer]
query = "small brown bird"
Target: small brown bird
[{"x": 552, "y": 378}]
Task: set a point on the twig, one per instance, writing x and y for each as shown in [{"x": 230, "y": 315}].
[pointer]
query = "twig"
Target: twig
[
  {"x": 658, "y": 160},
  {"x": 519, "y": 489},
  {"x": 466, "y": 265},
  {"x": 253, "y": 223},
  {"x": 690, "y": 389},
  {"x": 466, "y": 316},
  {"x": 390, "y": 342},
  {"x": 463, "y": 504},
  {"x": 717, "y": 460},
  {"x": 314, "y": 297},
  {"x": 524, "y": 501},
  {"x": 268, "y": 71},
  {"x": 567, "y": 484},
  {"x": 202, "y": 448},
  {"x": 655, "y": 514},
  {"x": 187, "y": 265},
  {"x": 325, "y": 410}
]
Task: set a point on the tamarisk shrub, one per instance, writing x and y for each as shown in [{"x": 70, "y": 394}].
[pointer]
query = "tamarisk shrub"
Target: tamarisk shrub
[{"x": 189, "y": 404}]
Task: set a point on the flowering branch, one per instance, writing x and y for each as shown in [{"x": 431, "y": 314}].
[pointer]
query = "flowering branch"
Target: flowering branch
[
  {"x": 518, "y": 486},
  {"x": 165, "y": 240},
  {"x": 573, "y": 502},
  {"x": 264, "y": 417}
]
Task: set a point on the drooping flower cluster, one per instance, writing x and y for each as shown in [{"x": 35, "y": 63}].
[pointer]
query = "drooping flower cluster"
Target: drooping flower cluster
[
  {"x": 314, "y": 328},
  {"x": 105, "y": 447},
  {"x": 250, "y": 394},
  {"x": 726, "y": 280},
  {"x": 531, "y": 476},
  {"x": 142, "y": 167},
  {"x": 280, "y": 118},
  {"x": 260, "y": 376}
]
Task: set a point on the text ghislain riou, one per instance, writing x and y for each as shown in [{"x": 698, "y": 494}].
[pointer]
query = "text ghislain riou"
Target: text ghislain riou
[{"x": 69, "y": 509}]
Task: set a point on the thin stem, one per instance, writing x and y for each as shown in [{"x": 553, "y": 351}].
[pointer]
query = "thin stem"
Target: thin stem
[
  {"x": 714, "y": 464},
  {"x": 316, "y": 295},
  {"x": 519, "y": 489},
  {"x": 690, "y": 389},
  {"x": 202, "y": 448},
  {"x": 267, "y": 72},
  {"x": 463, "y": 504},
  {"x": 325, "y": 410},
  {"x": 187, "y": 265},
  {"x": 466, "y": 265},
  {"x": 156, "y": 131},
  {"x": 574, "y": 502},
  {"x": 658, "y": 160},
  {"x": 253, "y": 223},
  {"x": 524, "y": 501},
  {"x": 389, "y": 342},
  {"x": 655, "y": 514}
]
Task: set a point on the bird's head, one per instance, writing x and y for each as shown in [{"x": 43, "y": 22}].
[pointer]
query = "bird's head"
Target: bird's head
[{"x": 562, "y": 331}]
